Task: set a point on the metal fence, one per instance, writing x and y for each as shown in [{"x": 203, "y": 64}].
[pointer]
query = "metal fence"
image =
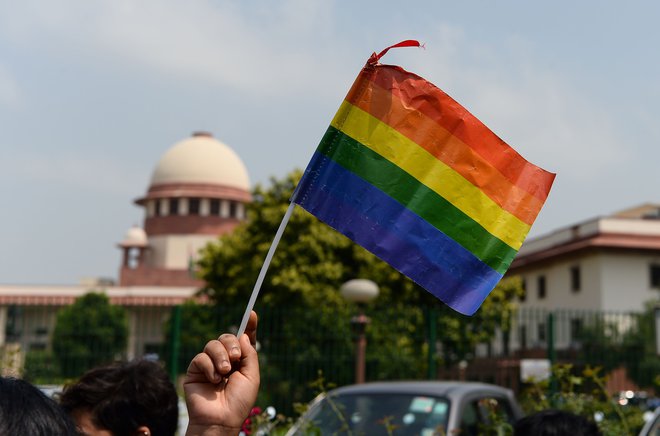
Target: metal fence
[{"x": 298, "y": 348}]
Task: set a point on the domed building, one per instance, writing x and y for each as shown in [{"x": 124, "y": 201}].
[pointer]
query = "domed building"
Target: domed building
[{"x": 197, "y": 192}]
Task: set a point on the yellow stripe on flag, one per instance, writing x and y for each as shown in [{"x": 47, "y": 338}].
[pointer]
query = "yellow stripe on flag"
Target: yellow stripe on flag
[{"x": 419, "y": 163}]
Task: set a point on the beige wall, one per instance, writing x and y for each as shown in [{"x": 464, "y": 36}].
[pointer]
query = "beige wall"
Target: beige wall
[
  {"x": 558, "y": 284},
  {"x": 173, "y": 251},
  {"x": 626, "y": 282},
  {"x": 610, "y": 281}
]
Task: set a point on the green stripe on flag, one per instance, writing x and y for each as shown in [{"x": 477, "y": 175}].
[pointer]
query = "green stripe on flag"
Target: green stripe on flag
[{"x": 417, "y": 197}]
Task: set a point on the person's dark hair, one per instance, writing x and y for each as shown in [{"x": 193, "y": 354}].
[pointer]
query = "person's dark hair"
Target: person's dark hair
[
  {"x": 25, "y": 410},
  {"x": 555, "y": 423},
  {"x": 124, "y": 396}
]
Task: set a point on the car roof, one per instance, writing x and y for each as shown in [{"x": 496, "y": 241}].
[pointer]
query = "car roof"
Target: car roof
[{"x": 448, "y": 389}]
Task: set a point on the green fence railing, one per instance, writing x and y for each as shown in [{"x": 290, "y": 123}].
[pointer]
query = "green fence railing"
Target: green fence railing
[{"x": 298, "y": 347}]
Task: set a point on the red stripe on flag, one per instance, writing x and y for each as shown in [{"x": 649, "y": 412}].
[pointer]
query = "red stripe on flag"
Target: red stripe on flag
[
  {"x": 447, "y": 148},
  {"x": 423, "y": 96}
]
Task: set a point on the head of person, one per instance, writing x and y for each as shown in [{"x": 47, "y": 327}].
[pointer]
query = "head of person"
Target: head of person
[
  {"x": 555, "y": 423},
  {"x": 24, "y": 409},
  {"x": 132, "y": 398}
]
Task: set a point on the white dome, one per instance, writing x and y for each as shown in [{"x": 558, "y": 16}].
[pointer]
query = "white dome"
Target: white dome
[
  {"x": 135, "y": 237},
  {"x": 201, "y": 159}
]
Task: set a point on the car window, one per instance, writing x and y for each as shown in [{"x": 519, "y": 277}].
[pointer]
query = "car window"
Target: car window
[
  {"x": 470, "y": 420},
  {"x": 653, "y": 429},
  {"x": 485, "y": 412},
  {"x": 378, "y": 414},
  {"x": 494, "y": 409}
]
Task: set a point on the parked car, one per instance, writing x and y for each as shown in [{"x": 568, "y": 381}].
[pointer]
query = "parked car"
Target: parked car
[
  {"x": 408, "y": 408},
  {"x": 652, "y": 426},
  {"x": 50, "y": 390}
]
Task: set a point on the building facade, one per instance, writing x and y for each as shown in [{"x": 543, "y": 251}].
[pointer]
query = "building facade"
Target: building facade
[
  {"x": 598, "y": 271},
  {"x": 609, "y": 263},
  {"x": 197, "y": 192}
]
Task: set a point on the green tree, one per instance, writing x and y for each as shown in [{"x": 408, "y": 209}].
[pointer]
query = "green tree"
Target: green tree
[
  {"x": 611, "y": 343},
  {"x": 41, "y": 367},
  {"x": 301, "y": 289},
  {"x": 460, "y": 334},
  {"x": 644, "y": 364},
  {"x": 89, "y": 332},
  {"x": 199, "y": 323}
]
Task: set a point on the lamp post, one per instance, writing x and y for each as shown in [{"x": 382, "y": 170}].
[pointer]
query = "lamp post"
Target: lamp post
[
  {"x": 656, "y": 318},
  {"x": 359, "y": 291}
]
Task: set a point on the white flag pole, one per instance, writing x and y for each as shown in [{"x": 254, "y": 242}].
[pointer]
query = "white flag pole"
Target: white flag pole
[{"x": 264, "y": 268}]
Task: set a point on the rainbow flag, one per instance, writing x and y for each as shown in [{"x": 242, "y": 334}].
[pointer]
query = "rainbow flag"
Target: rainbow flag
[{"x": 412, "y": 176}]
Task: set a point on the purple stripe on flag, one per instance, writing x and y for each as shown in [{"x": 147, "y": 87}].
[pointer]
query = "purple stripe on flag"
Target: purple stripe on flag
[{"x": 383, "y": 226}]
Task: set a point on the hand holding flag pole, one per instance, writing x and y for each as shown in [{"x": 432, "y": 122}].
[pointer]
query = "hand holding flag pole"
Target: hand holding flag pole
[{"x": 409, "y": 174}]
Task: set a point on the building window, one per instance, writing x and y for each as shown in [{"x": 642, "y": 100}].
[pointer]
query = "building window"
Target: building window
[
  {"x": 576, "y": 282},
  {"x": 523, "y": 336},
  {"x": 576, "y": 329},
  {"x": 193, "y": 206},
  {"x": 655, "y": 276},
  {"x": 540, "y": 285},
  {"x": 14, "y": 322},
  {"x": 233, "y": 209},
  {"x": 174, "y": 206},
  {"x": 215, "y": 207},
  {"x": 542, "y": 336},
  {"x": 41, "y": 331},
  {"x": 523, "y": 284},
  {"x": 157, "y": 210}
]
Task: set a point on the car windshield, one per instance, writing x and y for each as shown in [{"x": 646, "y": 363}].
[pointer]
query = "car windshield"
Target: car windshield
[{"x": 378, "y": 414}]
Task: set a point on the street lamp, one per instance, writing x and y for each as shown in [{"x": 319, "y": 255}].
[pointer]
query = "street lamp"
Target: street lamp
[{"x": 359, "y": 291}]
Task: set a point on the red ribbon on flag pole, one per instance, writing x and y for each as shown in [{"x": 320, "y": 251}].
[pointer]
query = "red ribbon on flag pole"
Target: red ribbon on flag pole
[{"x": 407, "y": 43}]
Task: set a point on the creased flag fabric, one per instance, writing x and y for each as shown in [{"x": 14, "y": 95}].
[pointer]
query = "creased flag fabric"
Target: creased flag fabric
[{"x": 412, "y": 176}]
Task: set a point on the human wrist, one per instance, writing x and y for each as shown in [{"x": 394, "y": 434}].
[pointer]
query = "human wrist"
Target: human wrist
[{"x": 211, "y": 430}]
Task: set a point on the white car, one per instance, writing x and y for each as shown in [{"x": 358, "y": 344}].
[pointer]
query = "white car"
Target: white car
[
  {"x": 408, "y": 408},
  {"x": 652, "y": 426}
]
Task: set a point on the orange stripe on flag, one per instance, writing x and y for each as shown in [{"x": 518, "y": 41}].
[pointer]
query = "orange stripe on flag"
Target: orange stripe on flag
[
  {"x": 419, "y": 94},
  {"x": 449, "y": 149}
]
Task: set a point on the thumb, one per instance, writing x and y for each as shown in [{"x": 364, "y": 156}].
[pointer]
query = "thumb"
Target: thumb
[{"x": 249, "y": 360}]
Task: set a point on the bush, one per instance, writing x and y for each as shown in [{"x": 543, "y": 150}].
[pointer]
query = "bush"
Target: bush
[
  {"x": 88, "y": 333},
  {"x": 583, "y": 393},
  {"x": 41, "y": 367}
]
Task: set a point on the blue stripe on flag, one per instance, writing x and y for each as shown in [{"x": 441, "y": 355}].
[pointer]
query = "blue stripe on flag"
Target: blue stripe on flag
[{"x": 386, "y": 228}]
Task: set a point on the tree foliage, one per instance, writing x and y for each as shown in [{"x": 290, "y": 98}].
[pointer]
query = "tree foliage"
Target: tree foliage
[
  {"x": 582, "y": 392},
  {"x": 199, "y": 323},
  {"x": 88, "y": 333},
  {"x": 313, "y": 260},
  {"x": 610, "y": 343},
  {"x": 309, "y": 265}
]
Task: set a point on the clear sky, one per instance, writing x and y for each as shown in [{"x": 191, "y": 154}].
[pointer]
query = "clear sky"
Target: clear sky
[{"x": 93, "y": 93}]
